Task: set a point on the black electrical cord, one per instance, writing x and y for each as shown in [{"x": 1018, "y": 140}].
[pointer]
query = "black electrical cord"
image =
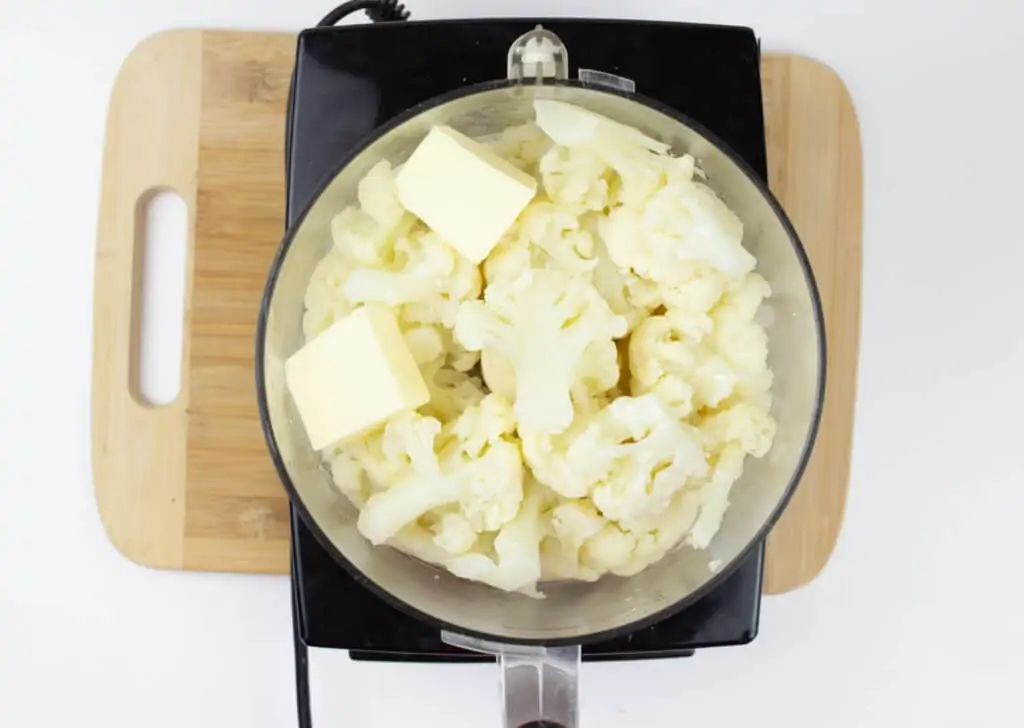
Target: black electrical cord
[{"x": 379, "y": 11}]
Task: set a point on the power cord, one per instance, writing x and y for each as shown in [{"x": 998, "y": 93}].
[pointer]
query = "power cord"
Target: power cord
[{"x": 379, "y": 11}]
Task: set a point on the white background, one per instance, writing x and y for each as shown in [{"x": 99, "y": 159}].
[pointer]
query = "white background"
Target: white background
[{"x": 916, "y": 621}]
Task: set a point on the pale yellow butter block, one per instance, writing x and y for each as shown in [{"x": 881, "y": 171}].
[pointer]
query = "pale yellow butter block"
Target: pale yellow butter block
[
  {"x": 354, "y": 375},
  {"x": 463, "y": 191}
]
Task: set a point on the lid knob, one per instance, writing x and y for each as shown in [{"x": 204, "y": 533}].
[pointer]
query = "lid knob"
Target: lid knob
[{"x": 538, "y": 54}]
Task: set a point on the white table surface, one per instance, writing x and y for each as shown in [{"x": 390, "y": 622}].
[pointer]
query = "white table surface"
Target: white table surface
[{"x": 916, "y": 621}]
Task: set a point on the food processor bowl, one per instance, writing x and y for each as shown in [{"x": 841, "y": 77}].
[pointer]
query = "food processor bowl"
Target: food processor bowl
[{"x": 572, "y": 612}]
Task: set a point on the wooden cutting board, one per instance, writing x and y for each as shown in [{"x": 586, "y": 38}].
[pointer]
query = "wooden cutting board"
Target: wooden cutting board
[{"x": 189, "y": 485}]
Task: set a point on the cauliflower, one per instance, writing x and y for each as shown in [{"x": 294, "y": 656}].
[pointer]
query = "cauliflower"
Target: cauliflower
[
  {"x": 365, "y": 233},
  {"x": 650, "y": 455},
  {"x": 626, "y": 294},
  {"x": 572, "y": 524},
  {"x": 650, "y": 543},
  {"x": 516, "y": 565},
  {"x": 382, "y": 254},
  {"x": 745, "y": 424},
  {"x": 595, "y": 385},
  {"x": 667, "y": 358},
  {"x": 451, "y": 393},
  {"x": 697, "y": 358},
  {"x": 544, "y": 236},
  {"x": 740, "y": 339},
  {"x": 572, "y": 126},
  {"x": 610, "y": 549},
  {"x": 548, "y": 236},
  {"x": 598, "y": 372},
  {"x": 543, "y": 321},
  {"x": 378, "y": 197},
  {"x": 576, "y": 179},
  {"x": 350, "y": 476},
  {"x": 445, "y": 367},
  {"x": 629, "y": 458},
  {"x": 428, "y": 280},
  {"x": 617, "y": 164},
  {"x": 324, "y": 301},
  {"x": 522, "y": 145},
  {"x": 681, "y": 224},
  {"x": 712, "y": 499},
  {"x": 440, "y": 466}
]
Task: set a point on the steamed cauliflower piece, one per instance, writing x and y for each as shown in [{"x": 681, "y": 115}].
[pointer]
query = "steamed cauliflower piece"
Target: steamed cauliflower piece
[
  {"x": 596, "y": 383},
  {"x": 516, "y": 564},
  {"x": 382, "y": 254},
  {"x": 629, "y": 459},
  {"x": 471, "y": 464},
  {"x": 543, "y": 321}
]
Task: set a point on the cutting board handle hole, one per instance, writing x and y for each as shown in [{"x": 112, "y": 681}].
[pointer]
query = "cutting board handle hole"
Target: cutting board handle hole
[{"x": 159, "y": 310}]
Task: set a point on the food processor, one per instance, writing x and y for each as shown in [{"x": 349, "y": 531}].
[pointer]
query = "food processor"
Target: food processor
[{"x": 539, "y": 643}]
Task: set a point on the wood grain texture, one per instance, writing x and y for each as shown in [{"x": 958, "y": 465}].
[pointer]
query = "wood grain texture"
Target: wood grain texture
[
  {"x": 814, "y": 168},
  {"x": 189, "y": 485}
]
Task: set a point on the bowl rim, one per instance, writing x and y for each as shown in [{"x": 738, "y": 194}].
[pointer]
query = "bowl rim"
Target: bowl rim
[{"x": 591, "y": 637}]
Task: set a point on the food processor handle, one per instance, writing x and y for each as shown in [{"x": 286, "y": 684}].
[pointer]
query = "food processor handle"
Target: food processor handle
[{"x": 539, "y": 685}]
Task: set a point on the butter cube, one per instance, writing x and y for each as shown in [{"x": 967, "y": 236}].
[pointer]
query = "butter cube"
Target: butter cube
[
  {"x": 463, "y": 191},
  {"x": 354, "y": 375}
]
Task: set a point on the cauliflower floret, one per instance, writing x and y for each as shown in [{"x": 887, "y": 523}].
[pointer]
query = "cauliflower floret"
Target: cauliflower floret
[
  {"x": 454, "y": 534},
  {"x": 522, "y": 145},
  {"x": 681, "y": 224},
  {"x": 745, "y": 424},
  {"x": 499, "y": 373},
  {"x": 576, "y": 178},
  {"x": 649, "y": 457},
  {"x": 630, "y": 458},
  {"x": 516, "y": 565},
  {"x": 627, "y": 295},
  {"x": 324, "y": 301},
  {"x": 428, "y": 280},
  {"x": 610, "y": 549},
  {"x": 368, "y": 452},
  {"x": 693, "y": 517},
  {"x": 740, "y": 339},
  {"x": 421, "y": 543},
  {"x": 365, "y": 234},
  {"x": 639, "y": 162},
  {"x": 350, "y": 477},
  {"x": 544, "y": 236},
  {"x": 694, "y": 359},
  {"x": 597, "y": 372},
  {"x": 651, "y": 542},
  {"x": 444, "y": 365},
  {"x": 572, "y": 524},
  {"x": 543, "y": 321},
  {"x": 548, "y": 236},
  {"x": 669, "y": 356},
  {"x": 574, "y": 126},
  {"x": 378, "y": 197},
  {"x": 426, "y": 344},
  {"x": 438, "y": 467},
  {"x": 451, "y": 393},
  {"x": 712, "y": 498},
  {"x": 382, "y": 254},
  {"x": 697, "y": 290}
]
